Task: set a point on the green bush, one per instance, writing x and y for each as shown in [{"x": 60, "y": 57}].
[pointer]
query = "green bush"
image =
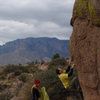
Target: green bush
[{"x": 3, "y": 87}]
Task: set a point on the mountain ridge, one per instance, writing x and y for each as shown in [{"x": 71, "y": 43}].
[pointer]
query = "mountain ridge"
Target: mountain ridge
[{"x": 31, "y": 49}]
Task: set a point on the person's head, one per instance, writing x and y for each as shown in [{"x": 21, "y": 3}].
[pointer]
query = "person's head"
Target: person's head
[
  {"x": 37, "y": 82},
  {"x": 59, "y": 70}
]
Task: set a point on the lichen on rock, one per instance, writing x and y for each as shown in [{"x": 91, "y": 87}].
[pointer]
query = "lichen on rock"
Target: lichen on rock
[
  {"x": 87, "y": 9},
  {"x": 93, "y": 10},
  {"x": 80, "y": 8}
]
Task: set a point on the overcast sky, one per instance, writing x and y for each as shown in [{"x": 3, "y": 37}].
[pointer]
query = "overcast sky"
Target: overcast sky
[{"x": 35, "y": 18}]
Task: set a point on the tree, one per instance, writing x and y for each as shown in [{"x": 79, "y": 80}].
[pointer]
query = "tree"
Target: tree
[
  {"x": 36, "y": 62},
  {"x": 56, "y": 56},
  {"x": 42, "y": 61}
]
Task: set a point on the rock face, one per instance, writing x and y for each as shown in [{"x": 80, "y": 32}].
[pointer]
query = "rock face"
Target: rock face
[{"x": 85, "y": 46}]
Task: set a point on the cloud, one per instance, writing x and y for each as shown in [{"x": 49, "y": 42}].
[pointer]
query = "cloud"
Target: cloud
[
  {"x": 35, "y": 18},
  {"x": 1, "y": 43},
  {"x": 13, "y": 29}
]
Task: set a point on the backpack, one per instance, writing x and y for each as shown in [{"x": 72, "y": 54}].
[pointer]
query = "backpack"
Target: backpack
[{"x": 44, "y": 94}]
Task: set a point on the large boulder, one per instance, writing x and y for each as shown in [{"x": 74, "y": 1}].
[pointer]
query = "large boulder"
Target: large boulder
[{"x": 85, "y": 46}]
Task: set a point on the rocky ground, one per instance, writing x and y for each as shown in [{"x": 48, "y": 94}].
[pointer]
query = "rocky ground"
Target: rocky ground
[{"x": 16, "y": 81}]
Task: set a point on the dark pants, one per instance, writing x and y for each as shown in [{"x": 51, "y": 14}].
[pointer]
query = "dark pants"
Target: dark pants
[{"x": 75, "y": 88}]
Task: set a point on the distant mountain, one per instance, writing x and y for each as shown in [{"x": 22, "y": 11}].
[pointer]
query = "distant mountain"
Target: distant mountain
[{"x": 22, "y": 51}]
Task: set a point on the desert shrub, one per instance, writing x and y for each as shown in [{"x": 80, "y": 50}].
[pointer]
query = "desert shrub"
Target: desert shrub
[
  {"x": 49, "y": 79},
  {"x": 3, "y": 87},
  {"x": 24, "y": 69},
  {"x": 16, "y": 69},
  {"x": 58, "y": 62},
  {"x": 55, "y": 56},
  {"x": 10, "y": 68},
  {"x": 42, "y": 61},
  {"x": 5, "y": 96},
  {"x": 54, "y": 86},
  {"x": 23, "y": 77},
  {"x": 31, "y": 63},
  {"x": 17, "y": 72},
  {"x": 3, "y": 76}
]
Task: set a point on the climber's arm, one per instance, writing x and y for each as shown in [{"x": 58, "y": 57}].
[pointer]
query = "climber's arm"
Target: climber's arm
[
  {"x": 70, "y": 73},
  {"x": 68, "y": 69}
]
